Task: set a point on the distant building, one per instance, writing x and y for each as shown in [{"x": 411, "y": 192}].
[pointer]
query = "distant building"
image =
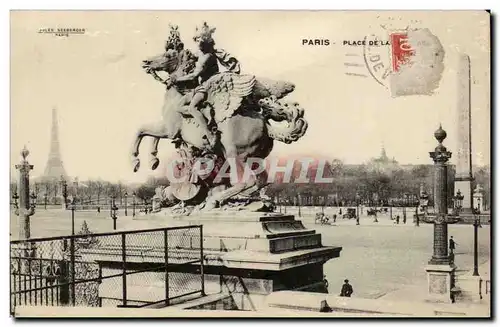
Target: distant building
[{"x": 383, "y": 163}]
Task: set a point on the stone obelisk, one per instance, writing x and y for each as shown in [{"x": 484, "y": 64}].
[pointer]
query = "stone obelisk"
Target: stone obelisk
[{"x": 463, "y": 174}]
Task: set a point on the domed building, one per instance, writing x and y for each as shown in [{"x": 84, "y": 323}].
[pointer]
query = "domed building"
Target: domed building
[{"x": 382, "y": 163}]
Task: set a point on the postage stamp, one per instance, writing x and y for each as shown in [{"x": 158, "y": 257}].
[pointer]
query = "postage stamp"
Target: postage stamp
[{"x": 405, "y": 62}]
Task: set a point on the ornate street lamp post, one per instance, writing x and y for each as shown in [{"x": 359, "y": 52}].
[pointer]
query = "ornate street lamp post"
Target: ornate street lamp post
[
  {"x": 405, "y": 203},
  {"x": 112, "y": 210},
  {"x": 417, "y": 219},
  {"x": 278, "y": 201},
  {"x": 357, "y": 207},
  {"x": 46, "y": 193},
  {"x": 126, "y": 196},
  {"x": 111, "y": 205},
  {"x": 440, "y": 157},
  {"x": 73, "y": 208},
  {"x": 64, "y": 186},
  {"x": 440, "y": 271},
  {"x": 133, "y": 204},
  {"x": 477, "y": 224},
  {"x": 300, "y": 200},
  {"x": 25, "y": 209},
  {"x": 458, "y": 202}
]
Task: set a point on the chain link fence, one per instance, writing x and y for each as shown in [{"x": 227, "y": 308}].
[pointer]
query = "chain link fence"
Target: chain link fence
[{"x": 69, "y": 271}]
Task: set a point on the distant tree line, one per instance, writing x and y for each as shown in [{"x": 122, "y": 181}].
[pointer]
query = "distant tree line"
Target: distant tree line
[
  {"x": 93, "y": 192},
  {"x": 398, "y": 185}
]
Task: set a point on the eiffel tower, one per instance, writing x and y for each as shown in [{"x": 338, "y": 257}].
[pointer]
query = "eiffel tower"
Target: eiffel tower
[{"x": 54, "y": 169}]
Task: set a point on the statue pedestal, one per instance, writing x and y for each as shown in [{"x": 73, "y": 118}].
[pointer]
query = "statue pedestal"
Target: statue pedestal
[
  {"x": 248, "y": 255},
  {"x": 440, "y": 280}
]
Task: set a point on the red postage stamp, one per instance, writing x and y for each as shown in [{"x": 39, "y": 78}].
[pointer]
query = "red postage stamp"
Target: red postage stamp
[{"x": 401, "y": 50}]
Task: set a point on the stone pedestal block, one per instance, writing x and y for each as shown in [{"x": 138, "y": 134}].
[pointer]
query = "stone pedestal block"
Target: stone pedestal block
[{"x": 440, "y": 281}]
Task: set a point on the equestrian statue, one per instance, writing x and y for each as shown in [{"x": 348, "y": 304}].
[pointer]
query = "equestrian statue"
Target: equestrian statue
[{"x": 213, "y": 111}]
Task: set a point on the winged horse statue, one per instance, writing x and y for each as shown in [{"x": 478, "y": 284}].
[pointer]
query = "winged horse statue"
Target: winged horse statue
[{"x": 224, "y": 115}]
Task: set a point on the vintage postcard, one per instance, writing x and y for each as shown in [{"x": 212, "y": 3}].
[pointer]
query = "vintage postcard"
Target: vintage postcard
[{"x": 250, "y": 164}]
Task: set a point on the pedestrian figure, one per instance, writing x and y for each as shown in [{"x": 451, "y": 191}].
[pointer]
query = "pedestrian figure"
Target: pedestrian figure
[
  {"x": 340, "y": 212},
  {"x": 452, "y": 245},
  {"x": 397, "y": 219},
  {"x": 98, "y": 209},
  {"x": 324, "y": 307},
  {"x": 404, "y": 219},
  {"x": 334, "y": 218},
  {"x": 346, "y": 289},
  {"x": 325, "y": 282}
]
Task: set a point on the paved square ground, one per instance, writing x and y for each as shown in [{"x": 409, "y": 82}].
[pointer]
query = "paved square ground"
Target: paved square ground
[
  {"x": 381, "y": 258},
  {"x": 377, "y": 258}
]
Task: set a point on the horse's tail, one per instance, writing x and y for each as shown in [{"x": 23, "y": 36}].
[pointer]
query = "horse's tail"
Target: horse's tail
[{"x": 295, "y": 126}]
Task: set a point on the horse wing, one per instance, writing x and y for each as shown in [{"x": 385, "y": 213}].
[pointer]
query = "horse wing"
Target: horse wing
[{"x": 225, "y": 92}]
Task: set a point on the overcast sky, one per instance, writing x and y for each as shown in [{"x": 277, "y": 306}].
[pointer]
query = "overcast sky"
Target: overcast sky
[{"x": 102, "y": 94}]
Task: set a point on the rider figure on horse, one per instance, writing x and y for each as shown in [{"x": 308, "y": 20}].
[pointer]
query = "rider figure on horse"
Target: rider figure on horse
[{"x": 206, "y": 67}]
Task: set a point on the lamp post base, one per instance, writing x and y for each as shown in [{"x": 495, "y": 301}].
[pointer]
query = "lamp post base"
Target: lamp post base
[
  {"x": 441, "y": 283},
  {"x": 470, "y": 288}
]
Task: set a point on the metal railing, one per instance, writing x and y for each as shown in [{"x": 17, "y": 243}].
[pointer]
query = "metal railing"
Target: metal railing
[{"x": 69, "y": 270}]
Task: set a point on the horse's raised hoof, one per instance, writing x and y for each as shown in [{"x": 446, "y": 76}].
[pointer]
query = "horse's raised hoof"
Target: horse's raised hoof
[
  {"x": 136, "y": 163},
  {"x": 154, "y": 163}
]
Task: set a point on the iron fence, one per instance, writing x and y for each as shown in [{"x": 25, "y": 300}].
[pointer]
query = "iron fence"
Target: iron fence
[{"x": 75, "y": 270}]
